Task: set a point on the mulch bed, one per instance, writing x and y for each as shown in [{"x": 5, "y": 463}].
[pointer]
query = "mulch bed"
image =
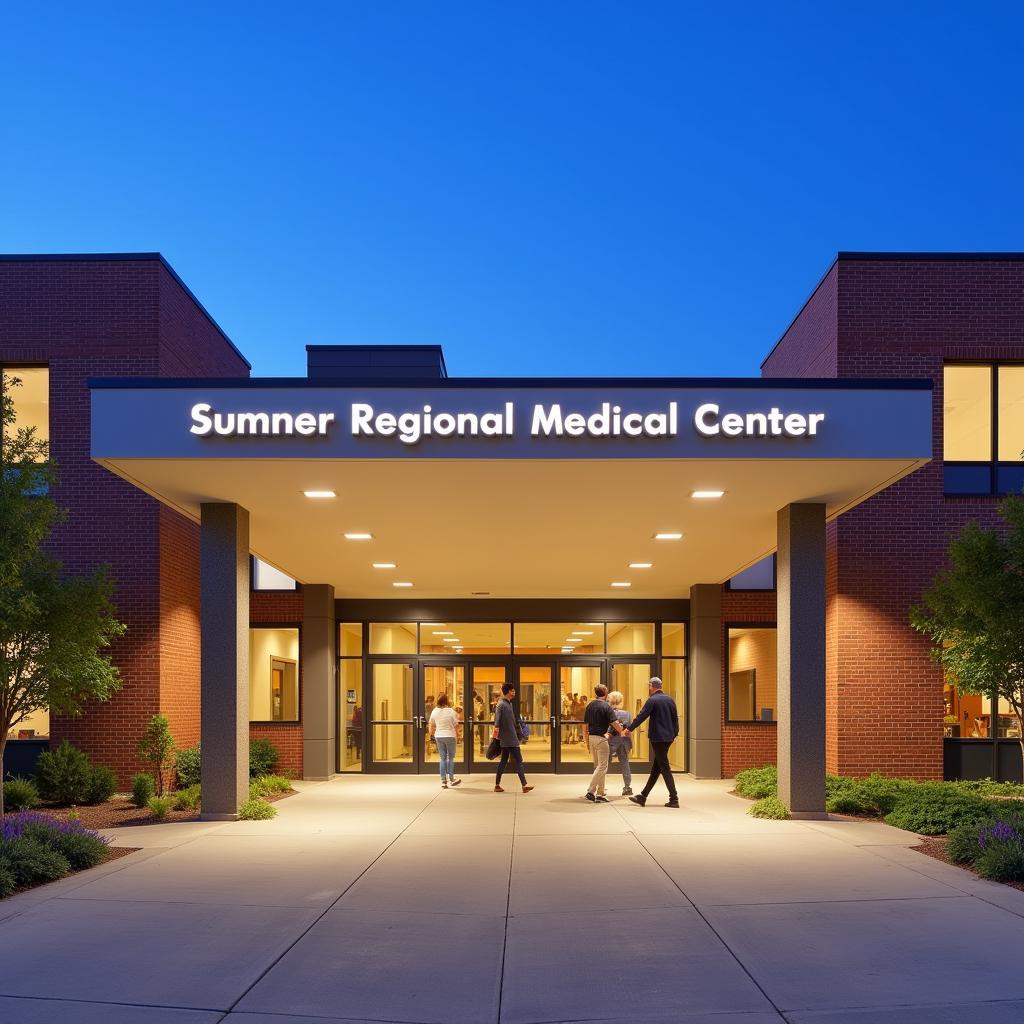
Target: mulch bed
[
  {"x": 121, "y": 812},
  {"x": 935, "y": 846}
]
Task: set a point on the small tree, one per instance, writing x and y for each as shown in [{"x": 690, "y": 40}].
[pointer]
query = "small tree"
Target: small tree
[
  {"x": 157, "y": 747},
  {"x": 53, "y": 629},
  {"x": 974, "y": 611}
]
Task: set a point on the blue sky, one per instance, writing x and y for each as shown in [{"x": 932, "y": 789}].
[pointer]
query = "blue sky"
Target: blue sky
[{"x": 543, "y": 188}]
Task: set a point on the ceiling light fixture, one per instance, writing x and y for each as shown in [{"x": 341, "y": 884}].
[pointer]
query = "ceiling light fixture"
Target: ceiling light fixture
[
  {"x": 668, "y": 536},
  {"x": 384, "y": 565},
  {"x": 622, "y": 583},
  {"x": 358, "y": 536},
  {"x": 320, "y": 494},
  {"x": 567, "y": 650},
  {"x": 640, "y": 565},
  {"x": 707, "y": 494},
  {"x": 442, "y": 632},
  {"x": 401, "y": 584},
  {"x": 582, "y": 632}
]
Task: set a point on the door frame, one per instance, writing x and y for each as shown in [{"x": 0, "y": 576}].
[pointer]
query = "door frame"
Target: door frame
[{"x": 370, "y": 764}]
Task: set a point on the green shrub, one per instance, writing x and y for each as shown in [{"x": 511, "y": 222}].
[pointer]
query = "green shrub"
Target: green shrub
[
  {"x": 160, "y": 805},
  {"x": 63, "y": 775},
  {"x": 769, "y": 807},
  {"x": 264, "y": 785},
  {"x": 187, "y": 799},
  {"x": 143, "y": 788},
  {"x": 187, "y": 764},
  {"x": 7, "y": 883},
  {"x": 20, "y": 795},
  {"x": 962, "y": 843},
  {"x": 758, "y": 783},
  {"x": 81, "y": 849},
  {"x": 884, "y": 793},
  {"x": 933, "y": 809},
  {"x": 157, "y": 747},
  {"x": 849, "y": 801},
  {"x": 256, "y": 810},
  {"x": 102, "y": 784},
  {"x": 32, "y": 863},
  {"x": 1001, "y": 853},
  {"x": 263, "y": 756}
]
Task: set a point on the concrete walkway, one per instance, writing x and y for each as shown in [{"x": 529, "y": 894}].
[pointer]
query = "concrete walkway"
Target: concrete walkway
[{"x": 387, "y": 899}]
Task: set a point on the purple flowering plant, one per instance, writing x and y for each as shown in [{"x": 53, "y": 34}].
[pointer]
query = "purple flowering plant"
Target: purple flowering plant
[
  {"x": 1001, "y": 831},
  {"x": 12, "y": 826}
]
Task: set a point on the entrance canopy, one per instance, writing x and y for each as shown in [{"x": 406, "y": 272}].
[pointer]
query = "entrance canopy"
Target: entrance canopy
[{"x": 517, "y": 488}]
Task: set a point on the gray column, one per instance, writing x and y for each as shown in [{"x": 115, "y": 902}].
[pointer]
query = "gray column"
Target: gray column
[
  {"x": 224, "y": 672},
  {"x": 319, "y": 690},
  {"x": 801, "y": 664},
  {"x": 705, "y": 711}
]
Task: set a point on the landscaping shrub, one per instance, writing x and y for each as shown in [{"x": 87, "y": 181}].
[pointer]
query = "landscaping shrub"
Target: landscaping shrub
[
  {"x": 20, "y": 795},
  {"x": 267, "y": 784},
  {"x": 850, "y": 801},
  {"x": 962, "y": 843},
  {"x": 157, "y": 747},
  {"x": 30, "y": 862},
  {"x": 933, "y": 809},
  {"x": 63, "y": 775},
  {"x": 885, "y": 793},
  {"x": 1001, "y": 856},
  {"x": 187, "y": 799},
  {"x": 7, "y": 883},
  {"x": 143, "y": 788},
  {"x": 102, "y": 784},
  {"x": 160, "y": 805},
  {"x": 757, "y": 783},
  {"x": 263, "y": 756},
  {"x": 256, "y": 810},
  {"x": 80, "y": 846},
  {"x": 187, "y": 765},
  {"x": 769, "y": 807}
]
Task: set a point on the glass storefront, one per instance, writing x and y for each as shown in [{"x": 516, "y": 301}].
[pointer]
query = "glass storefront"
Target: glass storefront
[{"x": 388, "y": 688}]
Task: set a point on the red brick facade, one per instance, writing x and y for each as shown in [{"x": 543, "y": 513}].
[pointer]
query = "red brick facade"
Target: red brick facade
[
  {"x": 120, "y": 318},
  {"x": 885, "y": 318}
]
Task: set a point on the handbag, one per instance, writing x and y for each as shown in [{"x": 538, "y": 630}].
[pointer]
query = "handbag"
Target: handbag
[
  {"x": 493, "y": 749},
  {"x": 524, "y": 731}
]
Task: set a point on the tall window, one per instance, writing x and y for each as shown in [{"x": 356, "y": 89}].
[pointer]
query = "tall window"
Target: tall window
[
  {"x": 983, "y": 428},
  {"x": 31, "y": 397},
  {"x": 350, "y": 697},
  {"x": 274, "y": 674},
  {"x": 750, "y": 674}
]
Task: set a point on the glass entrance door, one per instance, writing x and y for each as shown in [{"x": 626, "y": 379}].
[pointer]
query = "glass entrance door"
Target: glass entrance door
[
  {"x": 449, "y": 680},
  {"x": 630, "y": 678},
  {"x": 534, "y": 685},
  {"x": 395, "y": 718},
  {"x": 485, "y": 682},
  {"x": 576, "y": 684}
]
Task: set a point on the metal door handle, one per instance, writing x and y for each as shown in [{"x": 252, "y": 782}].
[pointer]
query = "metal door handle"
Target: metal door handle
[{"x": 553, "y": 722}]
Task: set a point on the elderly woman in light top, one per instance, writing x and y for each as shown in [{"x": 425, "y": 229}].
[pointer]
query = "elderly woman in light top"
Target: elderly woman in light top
[
  {"x": 621, "y": 746},
  {"x": 444, "y": 731}
]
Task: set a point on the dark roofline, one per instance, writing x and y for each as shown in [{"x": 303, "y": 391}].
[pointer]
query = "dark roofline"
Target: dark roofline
[
  {"x": 799, "y": 312},
  {"x": 123, "y": 257},
  {"x": 457, "y": 383},
  {"x": 1009, "y": 257},
  {"x": 383, "y": 348}
]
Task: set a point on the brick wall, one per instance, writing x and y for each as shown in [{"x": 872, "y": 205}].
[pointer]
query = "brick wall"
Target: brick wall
[
  {"x": 808, "y": 346},
  {"x": 280, "y": 608},
  {"x": 117, "y": 317},
  {"x": 900, "y": 318}
]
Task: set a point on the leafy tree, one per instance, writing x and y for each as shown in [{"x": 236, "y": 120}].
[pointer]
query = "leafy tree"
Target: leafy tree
[
  {"x": 157, "y": 747},
  {"x": 53, "y": 628},
  {"x": 974, "y": 611}
]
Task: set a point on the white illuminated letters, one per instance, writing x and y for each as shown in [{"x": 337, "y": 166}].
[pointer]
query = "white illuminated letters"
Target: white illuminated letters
[
  {"x": 206, "y": 421},
  {"x": 775, "y": 423}
]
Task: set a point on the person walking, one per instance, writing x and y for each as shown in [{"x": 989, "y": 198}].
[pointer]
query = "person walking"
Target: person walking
[
  {"x": 598, "y": 720},
  {"x": 619, "y": 745},
  {"x": 664, "y": 728},
  {"x": 509, "y": 733},
  {"x": 444, "y": 730}
]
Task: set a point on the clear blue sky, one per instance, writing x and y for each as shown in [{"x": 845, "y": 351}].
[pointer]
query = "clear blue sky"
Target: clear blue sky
[{"x": 543, "y": 188}]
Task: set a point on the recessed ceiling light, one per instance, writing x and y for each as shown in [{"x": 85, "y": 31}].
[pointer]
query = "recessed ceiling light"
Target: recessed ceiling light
[
  {"x": 320, "y": 494},
  {"x": 479, "y": 593},
  {"x": 384, "y": 565},
  {"x": 397, "y": 584},
  {"x": 567, "y": 650},
  {"x": 582, "y": 632},
  {"x": 640, "y": 565},
  {"x": 441, "y": 632},
  {"x": 451, "y": 640},
  {"x": 358, "y": 536},
  {"x": 572, "y": 640},
  {"x": 668, "y": 536},
  {"x": 458, "y": 650},
  {"x": 707, "y": 494},
  {"x": 622, "y": 583}
]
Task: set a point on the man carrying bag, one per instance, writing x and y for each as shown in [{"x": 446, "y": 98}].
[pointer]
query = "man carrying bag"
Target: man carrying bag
[{"x": 508, "y": 734}]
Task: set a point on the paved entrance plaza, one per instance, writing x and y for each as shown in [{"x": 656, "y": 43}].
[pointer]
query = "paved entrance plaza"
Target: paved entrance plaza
[{"x": 388, "y": 899}]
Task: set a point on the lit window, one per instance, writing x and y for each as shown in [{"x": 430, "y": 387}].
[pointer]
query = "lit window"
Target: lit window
[
  {"x": 751, "y": 674},
  {"x": 274, "y": 674},
  {"x": 967, "y": 414},
  {"x": 266, "y": 577},
  {"x": 759, "y": 576}
]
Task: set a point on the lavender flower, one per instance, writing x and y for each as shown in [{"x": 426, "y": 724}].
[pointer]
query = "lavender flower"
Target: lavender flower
[
  {"x": 12, "y": 826},
  {"x": 1000, "y": 831}
]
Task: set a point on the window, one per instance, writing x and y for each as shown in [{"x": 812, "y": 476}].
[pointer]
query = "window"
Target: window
[
  {"x": 392, "y": 637},
  {"x": 630, "y": 637},
  {"x": 266, "y": 577},
  {"x": 559, "y": 638},
  {"x": 350, "y": 697},
  {"x": 465, "y": 637},
  {"x": 751, "y": 666},
  {"x": 274, "y": 674},
  {"x": 983, "y": 428},
  {"x": 759, "y": 576},
  {"x": 31, "y": 397}
]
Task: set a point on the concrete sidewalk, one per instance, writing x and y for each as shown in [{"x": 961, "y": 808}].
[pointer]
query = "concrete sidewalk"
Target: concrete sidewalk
[{"x": 388, "y": 899}]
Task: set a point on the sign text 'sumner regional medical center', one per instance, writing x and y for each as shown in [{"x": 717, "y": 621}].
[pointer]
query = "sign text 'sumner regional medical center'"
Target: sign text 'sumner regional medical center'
[{"x": 544, "y": 420}]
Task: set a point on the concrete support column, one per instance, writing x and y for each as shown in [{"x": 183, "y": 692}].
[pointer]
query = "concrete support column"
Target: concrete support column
[
  {"x": 705, "y": 710},
  {"x": 319, "y": 690},
  {"x": 224, "y": 672},
  {"x": 801, "y": 663}
]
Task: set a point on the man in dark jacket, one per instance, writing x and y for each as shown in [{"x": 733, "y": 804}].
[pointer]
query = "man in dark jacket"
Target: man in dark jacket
[
  {"x": 664, "y": 728},
  {"x": 508, "y": 732}
]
